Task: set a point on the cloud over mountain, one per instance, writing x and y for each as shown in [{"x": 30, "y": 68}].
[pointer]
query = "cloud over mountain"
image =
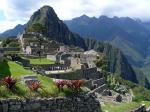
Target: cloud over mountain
[{"x": 20, "y": 10}]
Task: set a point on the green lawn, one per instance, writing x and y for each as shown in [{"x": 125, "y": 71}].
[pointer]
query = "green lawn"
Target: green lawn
[
  {"x": 21, "y": 90},
  {"x": 123, "y": 107},
  {"x": 13, "y": 69},
  {"x": 48, "y": 89},
  {"x": 41, "y": 61}
]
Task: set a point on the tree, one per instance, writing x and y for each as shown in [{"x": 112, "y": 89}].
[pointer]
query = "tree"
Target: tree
[{"x": 102, "y": 63}]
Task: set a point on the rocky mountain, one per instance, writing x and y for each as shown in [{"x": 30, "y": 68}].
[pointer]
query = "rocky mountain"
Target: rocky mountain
[
  {"x": 129, "y": 35},
  {"x": 56, "y": 29}
]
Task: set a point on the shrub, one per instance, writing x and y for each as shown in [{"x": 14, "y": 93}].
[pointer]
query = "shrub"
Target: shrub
[
  {"x": 9, "y": 82},
  {"x": 141, "y": 94}
]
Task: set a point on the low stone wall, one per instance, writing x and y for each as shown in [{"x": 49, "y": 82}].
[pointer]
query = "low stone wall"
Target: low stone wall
[
  {"x": 90, "y": 73},
  {"x": 86, "y": 103}
]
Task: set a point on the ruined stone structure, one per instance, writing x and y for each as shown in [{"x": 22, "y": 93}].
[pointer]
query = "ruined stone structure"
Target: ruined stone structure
[
  {"x": 81, "y": 103},
  {"x": 97, "y": 86},
  {"x": 32, "y": 43}
]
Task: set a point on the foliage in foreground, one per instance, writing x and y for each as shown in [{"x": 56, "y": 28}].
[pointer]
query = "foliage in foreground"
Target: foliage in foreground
[{"x": 9, "y": 82}]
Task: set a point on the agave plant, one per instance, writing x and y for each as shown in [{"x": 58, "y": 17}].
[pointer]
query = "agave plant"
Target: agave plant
[{"x": 9, "y": 82}]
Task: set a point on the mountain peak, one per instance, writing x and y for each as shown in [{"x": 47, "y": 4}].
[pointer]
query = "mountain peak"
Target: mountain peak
[
  {"x": 47, "y": 8},
  {"x": 44, "y": 15},
  {"x": 84, "y": 16}
]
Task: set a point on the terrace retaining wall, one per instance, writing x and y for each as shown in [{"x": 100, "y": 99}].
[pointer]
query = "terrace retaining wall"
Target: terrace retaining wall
[
  {"x": 82, "y": 103},
  {"x": 90, "y": 73}
]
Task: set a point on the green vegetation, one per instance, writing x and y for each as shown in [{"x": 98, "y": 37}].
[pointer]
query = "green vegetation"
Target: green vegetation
[
  {"x": 48, "y": 89},
  {"x": 102, "y": 62},
  {"x": 41, "y": 61},
  {"x": 10, "y": 42},
  {"x": 13, "y": 69},
  {"x": 122, "y": 107},
  {"x": 20, "y": 90},
  {"x": 140, "y": 93},
  {"x": 37, "y": 27}
]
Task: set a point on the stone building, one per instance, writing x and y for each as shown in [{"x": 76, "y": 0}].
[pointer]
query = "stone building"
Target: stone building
[
  {"x": 75, "y": 63},
  {"x": 88, "y": 58}
]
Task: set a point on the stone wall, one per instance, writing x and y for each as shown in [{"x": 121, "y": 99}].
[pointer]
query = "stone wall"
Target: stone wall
[
  {"x": 86, "y": 103},
  {"x": 90, "y": 73}
]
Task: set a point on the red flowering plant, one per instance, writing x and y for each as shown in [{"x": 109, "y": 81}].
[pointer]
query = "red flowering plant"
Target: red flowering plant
[
  {"x": 9, "y": 82},
  {"x": 60, "y": 84},
  {"x": 35, "y": 85},
  {"x": 76, "y": 85}
]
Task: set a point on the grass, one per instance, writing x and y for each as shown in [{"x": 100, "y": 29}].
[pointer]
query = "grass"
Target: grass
[
  {"x": 48, "y": 85},
  {"x": 13, "y": 69},
  {"x": 41, "y": 61},
  {"x": 123, "y": 107},
  {"x": 21, "y": 90}
]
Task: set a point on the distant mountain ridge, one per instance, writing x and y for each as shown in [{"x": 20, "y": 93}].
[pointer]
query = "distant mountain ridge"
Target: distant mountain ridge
[
  {"x": 132, "y": 37},
  {"x": 57, "y": 30},
  {"x": 13, "y": 32}
]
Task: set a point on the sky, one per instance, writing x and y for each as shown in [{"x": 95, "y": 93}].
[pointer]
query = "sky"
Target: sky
[{"x": 13, "y": 12}]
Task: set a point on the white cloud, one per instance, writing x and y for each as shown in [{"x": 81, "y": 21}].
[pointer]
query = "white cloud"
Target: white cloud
[{"x": 20, "y": 10}]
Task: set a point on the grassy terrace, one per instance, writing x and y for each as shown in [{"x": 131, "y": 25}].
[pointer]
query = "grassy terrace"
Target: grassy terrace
[
  {"x": 41, "y": 61},
  {"x": 123, "y": 107},
  {"x": 21, "y": 90},
  {"x": 13, "y": 69}
]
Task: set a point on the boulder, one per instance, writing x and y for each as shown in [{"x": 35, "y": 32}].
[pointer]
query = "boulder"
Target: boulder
[{"x": 118, "y": 98}]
